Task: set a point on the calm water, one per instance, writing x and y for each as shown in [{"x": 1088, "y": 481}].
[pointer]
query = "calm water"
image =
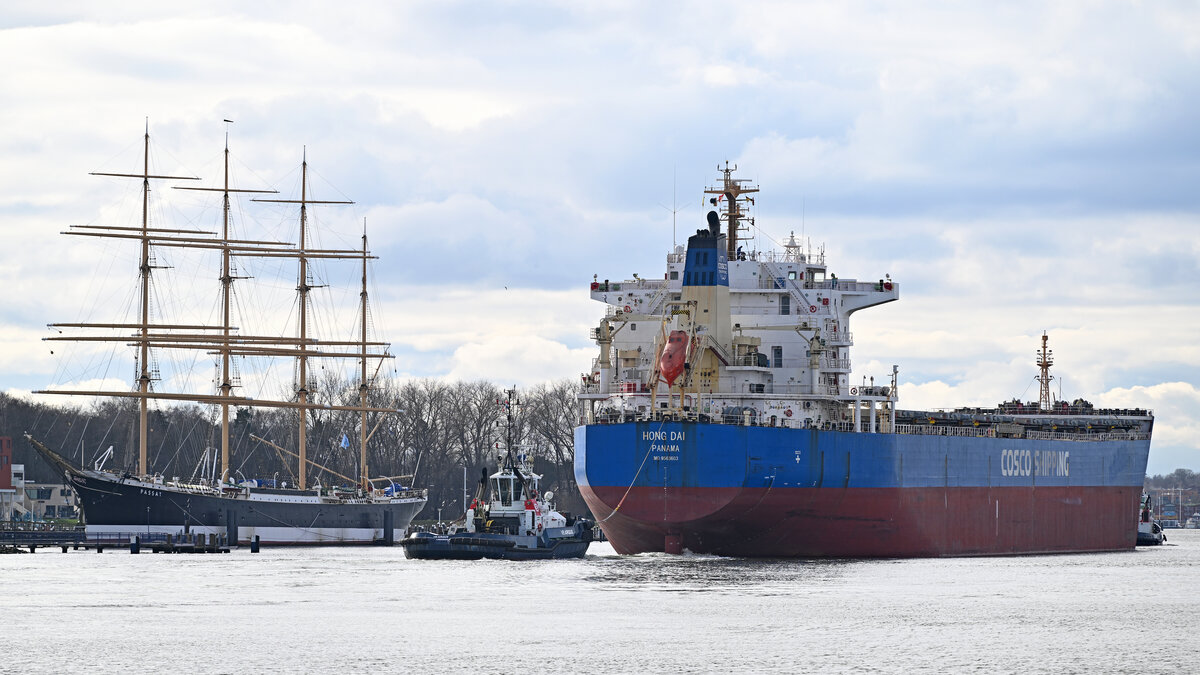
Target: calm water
[{"x": 348, "y": 610}]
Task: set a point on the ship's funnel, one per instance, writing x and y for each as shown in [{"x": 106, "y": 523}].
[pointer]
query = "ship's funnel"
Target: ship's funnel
[{"x": 706, "y": 282}]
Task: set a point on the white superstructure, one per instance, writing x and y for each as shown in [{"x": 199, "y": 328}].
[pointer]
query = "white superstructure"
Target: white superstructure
[{"x": 774, "y": 345}]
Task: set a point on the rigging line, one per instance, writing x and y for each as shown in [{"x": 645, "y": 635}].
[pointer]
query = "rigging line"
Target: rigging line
[
  {"x": 164, "y": 434},
  {"x": 198, "y": 418},
  {"x": 635, "y": 476},
  {"x": 1022, "y": 396},
  {"x": 105, "y": 436},
  {"x": 249, "y": 456},
  {"x": 79, "y": 446},
  {"x": 307, "y": 529}
]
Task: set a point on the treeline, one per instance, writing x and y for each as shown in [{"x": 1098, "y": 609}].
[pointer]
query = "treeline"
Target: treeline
[
  {"x": 443, "y": 431},
  {"x": 1178, "y": 479}
]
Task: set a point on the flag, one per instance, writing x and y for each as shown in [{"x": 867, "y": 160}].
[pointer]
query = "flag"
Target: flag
[{"x": 345, "y": 441}]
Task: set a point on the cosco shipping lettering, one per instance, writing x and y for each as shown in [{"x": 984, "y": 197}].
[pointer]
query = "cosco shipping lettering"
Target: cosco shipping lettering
[{"x": 721, "y": 418}]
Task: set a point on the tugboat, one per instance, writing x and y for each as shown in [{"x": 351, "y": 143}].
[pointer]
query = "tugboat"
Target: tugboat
[
  {"x": 517, "y": 523},
  {"x": 1149, "y": 533}
]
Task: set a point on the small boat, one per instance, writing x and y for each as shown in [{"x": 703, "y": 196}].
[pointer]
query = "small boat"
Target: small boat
[
  {"x": 674, "y": 356},
  {"x": 1192, "y": 523},
  {"x": 1149, "y": 532},
  {"x": 516, "y": 523}
]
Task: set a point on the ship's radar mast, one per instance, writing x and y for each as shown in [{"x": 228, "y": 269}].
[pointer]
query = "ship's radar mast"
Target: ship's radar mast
[
  {"x": 791, "y": 250},
  {"x": 1045, "y": 360},
  {"x": 732, "y": 191}
]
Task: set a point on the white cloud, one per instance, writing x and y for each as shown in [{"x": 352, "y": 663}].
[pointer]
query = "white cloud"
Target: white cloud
[
  {"x": 1015, "y": 168},
  {"x": 521, "y": 360}
]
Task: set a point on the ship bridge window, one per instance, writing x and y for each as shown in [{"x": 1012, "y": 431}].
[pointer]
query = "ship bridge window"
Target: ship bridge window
[
  {"x": 504, "y": 489},
  {"x": 792, "y": 275},
  {"x": 674, "y": 275}
]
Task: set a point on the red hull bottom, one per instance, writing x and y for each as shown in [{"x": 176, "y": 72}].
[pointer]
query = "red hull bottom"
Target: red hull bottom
[{"x": 869, "y": 522}]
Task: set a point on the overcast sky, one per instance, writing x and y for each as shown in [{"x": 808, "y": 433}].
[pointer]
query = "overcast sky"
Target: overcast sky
[{"x": 1016, "y": 168}]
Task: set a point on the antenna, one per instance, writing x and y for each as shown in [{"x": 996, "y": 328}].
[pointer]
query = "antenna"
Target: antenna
[
  {"x": 1045, "y": 360},
  {"x": 674, "y": 209}
]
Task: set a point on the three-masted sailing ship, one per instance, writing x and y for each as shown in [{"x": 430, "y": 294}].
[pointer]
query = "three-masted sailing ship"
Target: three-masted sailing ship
[{"x": 364, "y": 510}]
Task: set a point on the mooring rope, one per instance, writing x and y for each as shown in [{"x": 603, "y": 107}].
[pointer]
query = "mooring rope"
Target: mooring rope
[{"x": 635, "y": 476}]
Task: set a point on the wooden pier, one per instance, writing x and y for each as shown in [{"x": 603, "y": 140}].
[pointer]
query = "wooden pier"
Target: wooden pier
[{"x": 16, "y": 541}]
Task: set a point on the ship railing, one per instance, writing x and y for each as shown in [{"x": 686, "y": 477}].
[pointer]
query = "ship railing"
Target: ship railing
[
  {"x": 192, "y": 488},
  {"x": 811, "y": 258},
  {"x": 1101, "y": 436},
  {"x": 1032, "y": 410},
  {"x": 838, "y": 337},
  {"x": 990, "y": 432},
  {"x": 627, "y": 285},
  {"x": 747, "y": 388},
  {"x": 931, "y": 430},
  {"x": 772, "y": 283},
  {"x": 851, "y": 285}
]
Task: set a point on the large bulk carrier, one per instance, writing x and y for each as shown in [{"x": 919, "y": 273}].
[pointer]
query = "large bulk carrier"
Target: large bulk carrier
[
  {"x": 720, "y": 417},
  {"x": 140, "y": 501}
]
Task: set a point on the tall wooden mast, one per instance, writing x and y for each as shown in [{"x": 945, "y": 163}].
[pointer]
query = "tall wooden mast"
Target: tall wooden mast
[
  {"x": 227, "y": 278},
  {"x": 363, "y": 386},
  {"x": 303, "y": 289},
  {"x": 224, "y": 340},
  {"x": 144, "y": 270}
]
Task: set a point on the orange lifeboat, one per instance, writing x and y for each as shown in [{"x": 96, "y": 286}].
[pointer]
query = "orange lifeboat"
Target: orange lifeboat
[{"x": 673, "y": 358}]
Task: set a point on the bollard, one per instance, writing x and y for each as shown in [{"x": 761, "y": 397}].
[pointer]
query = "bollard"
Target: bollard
[{"x": 254, "y": 544}]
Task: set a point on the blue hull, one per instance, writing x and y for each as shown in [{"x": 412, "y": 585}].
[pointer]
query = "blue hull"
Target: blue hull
[{"x": 764, "y": 491}]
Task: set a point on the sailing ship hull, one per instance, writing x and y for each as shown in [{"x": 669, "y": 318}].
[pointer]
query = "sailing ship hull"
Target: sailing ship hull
[
  {"x": 766, "y": 491},
  {"x": 113, "y": 505}
]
